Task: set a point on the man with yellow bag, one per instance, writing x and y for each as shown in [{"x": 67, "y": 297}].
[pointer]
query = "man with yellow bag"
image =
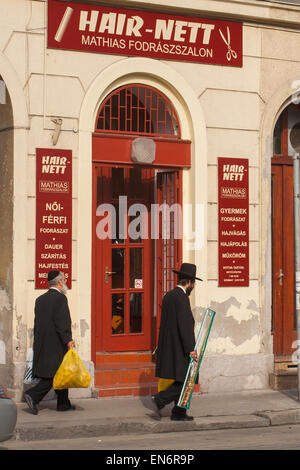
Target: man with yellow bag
[{"x": 52, "y": 339}]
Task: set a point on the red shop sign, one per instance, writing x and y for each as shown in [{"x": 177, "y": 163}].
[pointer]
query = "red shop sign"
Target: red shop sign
[
  {"x": 53, "y": 214},
  {"x": 119, "y": 31},
  {"x": 233, "y": 212}
]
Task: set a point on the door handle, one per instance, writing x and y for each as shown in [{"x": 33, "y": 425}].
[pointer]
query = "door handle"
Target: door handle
[
  {"x": 108, "y": 273},
  {"x": 280, "y": 276}
]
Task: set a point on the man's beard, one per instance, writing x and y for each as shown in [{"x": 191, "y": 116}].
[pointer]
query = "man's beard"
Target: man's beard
[
  {"x": 64, "y": 289},
  {"x": 189, "y": 290}
]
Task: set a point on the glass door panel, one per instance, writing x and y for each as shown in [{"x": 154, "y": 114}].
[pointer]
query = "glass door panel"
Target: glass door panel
[
  {"x": 136, "y": 312},
  {"x": 136, "y": 188},
  {"x": 117, "y": 319},
  {"x": 136, "y": 271},
  {"x": 117, "y": 182},
  {"x": 118, "y": 265}
]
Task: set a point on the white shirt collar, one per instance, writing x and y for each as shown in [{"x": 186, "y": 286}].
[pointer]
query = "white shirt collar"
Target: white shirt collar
[
  {"x": 55, "y": 289},
  {"x": 181, "y": 287}
]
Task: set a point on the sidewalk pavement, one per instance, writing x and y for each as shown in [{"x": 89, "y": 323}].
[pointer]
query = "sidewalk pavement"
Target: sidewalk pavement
[{"x": 135, "y": 415}]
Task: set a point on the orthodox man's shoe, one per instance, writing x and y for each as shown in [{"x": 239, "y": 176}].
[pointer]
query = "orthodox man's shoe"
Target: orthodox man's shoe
[
  {"x": 156, "y": 407},
  {"x": 181, "y": 418},
  {"x": 31, "y": 404}
]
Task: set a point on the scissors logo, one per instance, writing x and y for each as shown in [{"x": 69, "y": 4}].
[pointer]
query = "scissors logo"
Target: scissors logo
[{"x": 230, "y": 52}]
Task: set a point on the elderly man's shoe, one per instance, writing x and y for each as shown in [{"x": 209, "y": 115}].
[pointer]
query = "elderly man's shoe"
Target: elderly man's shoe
[{"x": 31, "y": 404}]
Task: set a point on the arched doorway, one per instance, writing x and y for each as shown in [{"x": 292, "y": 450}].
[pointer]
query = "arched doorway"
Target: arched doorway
[
  {"x": 14, "y": 126},
  {"x": 283, "y": 241},
  {"x": 138, "y": 156},
  {"x": 6, "y": 235}
]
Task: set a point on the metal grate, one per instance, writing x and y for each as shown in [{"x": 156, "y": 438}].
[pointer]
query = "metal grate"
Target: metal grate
[
  {"x": 138, "y": 109},
  {"x": 169, "y": 191},
  {"x": 169, "y": 247}
]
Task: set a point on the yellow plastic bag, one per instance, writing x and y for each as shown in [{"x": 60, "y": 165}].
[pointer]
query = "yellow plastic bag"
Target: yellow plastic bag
[
  {"x": 71, "y": 373},
  {"x": 164, "y": 384}
]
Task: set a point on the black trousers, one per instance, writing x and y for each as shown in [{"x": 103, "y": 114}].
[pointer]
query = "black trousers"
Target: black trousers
[
  {"x": 41, "y": 389},
  {"x": 172, "y": 393}
]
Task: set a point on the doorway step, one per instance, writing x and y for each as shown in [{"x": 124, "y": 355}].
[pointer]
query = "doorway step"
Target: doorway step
[
  {"x": 125, "y": 374},
  {"x": 284, "y": 376}
]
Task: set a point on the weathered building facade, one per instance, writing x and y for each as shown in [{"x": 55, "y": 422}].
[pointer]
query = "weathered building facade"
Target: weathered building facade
[{"x": 120, "y": 107}]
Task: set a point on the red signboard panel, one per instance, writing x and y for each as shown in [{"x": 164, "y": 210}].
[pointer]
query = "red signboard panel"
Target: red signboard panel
[
  {"x": 233, "y": 213},
  {"x": 53, "y": 214},
  {"x": 119, "y": 31}
]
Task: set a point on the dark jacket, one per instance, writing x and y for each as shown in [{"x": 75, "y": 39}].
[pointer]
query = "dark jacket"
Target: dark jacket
[
  {"x": 176, "y": 336},
  {"x": 52, "y": 332}
]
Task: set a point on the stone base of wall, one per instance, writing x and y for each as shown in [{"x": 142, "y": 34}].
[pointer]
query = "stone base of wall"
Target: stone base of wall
[
  {"x": 217, "y": 374},
  {"x": 235, "y": 373}
]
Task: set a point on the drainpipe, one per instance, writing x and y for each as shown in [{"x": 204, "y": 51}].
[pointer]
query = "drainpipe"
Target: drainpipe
[{"x": 296, "y": 162}]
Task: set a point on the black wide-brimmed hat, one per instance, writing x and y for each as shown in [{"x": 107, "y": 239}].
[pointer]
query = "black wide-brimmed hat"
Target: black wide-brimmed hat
[{"x": 187, "y": 271}]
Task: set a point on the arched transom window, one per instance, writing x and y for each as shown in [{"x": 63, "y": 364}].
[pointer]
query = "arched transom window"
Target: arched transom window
[{"x": 138, "y": 109}]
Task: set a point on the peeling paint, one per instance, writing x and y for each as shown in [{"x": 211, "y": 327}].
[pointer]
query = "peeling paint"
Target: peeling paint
[
  {"x": 84, "y": 326},
  {"x": 20, "y": 343},
  {"x": 30, "y": 333},
  {"x": 253, "y": 306},
  {"x": 223, "y": 307},
  {"x": 227, "y": 346},
  {"x": 241, "y": 315},
  {"x": 5, "y": 327},
  {"x": 2, "y": 352},
  {"x": 4, "y": 300},
  {"x": 236, "y": 327}
]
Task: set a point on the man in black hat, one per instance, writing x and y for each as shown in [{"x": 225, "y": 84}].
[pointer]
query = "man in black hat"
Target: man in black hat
[
  {"x": 52, "y": 339},
  {"x": 176, "y": 341}
]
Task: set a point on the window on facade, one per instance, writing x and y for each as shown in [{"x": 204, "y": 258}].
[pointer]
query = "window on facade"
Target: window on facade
[
  {"x": 286, "y": 136},
  {"x": 138, "y": 109},
  {"x": 278, "y": 134}
]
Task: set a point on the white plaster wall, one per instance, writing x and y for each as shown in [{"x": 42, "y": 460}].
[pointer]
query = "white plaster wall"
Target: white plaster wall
[
  {"x": 225, "y": 111},
  {"x": 71, "y": 85}
]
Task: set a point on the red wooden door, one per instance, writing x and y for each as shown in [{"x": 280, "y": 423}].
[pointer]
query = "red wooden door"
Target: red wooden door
[
  {"x": 130, "y": 275},
  {"x": 283, "y": 301},
  {"x": 123, "y": 278}
]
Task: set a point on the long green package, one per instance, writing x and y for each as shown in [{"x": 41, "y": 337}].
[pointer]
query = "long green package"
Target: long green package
[{"x": 194, "y": 366}]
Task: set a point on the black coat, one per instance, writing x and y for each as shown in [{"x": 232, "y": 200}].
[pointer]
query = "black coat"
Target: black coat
[
  {"x": 176, "y": 336},
  {"x": 52, "y": 332}
]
